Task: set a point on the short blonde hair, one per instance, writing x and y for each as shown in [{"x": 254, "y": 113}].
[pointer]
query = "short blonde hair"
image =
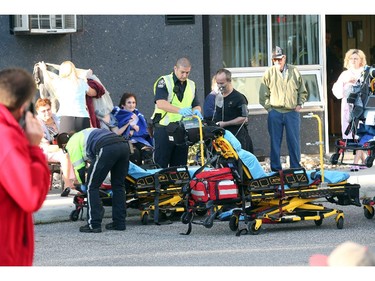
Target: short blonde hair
[{"x": 358, "y": 52}]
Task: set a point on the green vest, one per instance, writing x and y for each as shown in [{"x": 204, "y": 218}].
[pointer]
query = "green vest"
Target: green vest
[
  {"x": 76, "y": 147},
  {"x": 187, "y": 100}
]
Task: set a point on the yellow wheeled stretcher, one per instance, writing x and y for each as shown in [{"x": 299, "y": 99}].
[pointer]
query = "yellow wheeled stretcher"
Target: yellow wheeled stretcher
[
  {"x": 157, "y": 191},
  {"x": 279, "y": 197}
]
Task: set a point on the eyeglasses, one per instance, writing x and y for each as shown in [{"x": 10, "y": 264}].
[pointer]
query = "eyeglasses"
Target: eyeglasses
[
  {"x": 45, "y": 110},
  {"x": 277, "y": 59}
]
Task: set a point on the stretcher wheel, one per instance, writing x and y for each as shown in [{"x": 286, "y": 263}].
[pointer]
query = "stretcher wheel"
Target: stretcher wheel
[
  {"x": 74, "y": 215},
  {"x": 209, "y": 221},
  {"x": 201, "y": 213},
  {"x": 334, "y": 158},
  {"x": 368, "y": 212},
  {"x": 253, "y": 229},
  {"x": 369, "y": 161},
  {"x": 318, "y": 222},
  {"x": 186, "y": 217},
  {"x": 144, "y": 219},
  {"x": 340, "y": 223},
  {"x": 233, "y": 223}
]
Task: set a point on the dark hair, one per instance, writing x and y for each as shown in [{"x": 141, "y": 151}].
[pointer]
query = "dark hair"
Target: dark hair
[
  {"x": 124, "y": 97},
  {"x": 17, "y": 86},
  {"x": 228, "y": 74},
  {"x": 62, "y": 139}
]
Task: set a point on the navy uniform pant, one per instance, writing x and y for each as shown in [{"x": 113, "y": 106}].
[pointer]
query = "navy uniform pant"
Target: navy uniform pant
[
  {"x": 112, "y": 158},
  {"x": 166, "y": 153},
  {"x": 276, "y": 123}
]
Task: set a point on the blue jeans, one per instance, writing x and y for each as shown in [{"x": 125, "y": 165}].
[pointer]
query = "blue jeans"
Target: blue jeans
[{"x": 292, "y": 123}]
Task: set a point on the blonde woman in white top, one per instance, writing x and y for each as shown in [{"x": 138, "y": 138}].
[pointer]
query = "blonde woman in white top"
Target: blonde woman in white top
[
  {"x": 71, "y": 91},
  {"x": 354, "y": 62}
]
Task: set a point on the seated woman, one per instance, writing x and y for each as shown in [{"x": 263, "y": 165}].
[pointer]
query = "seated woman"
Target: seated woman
[
  {"x": 50, "y": 124},
  {"x": 136, "y": 131}
]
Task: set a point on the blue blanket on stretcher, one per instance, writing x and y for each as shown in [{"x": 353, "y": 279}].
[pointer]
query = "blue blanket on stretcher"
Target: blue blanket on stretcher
[{"x": 257, "y": 171}]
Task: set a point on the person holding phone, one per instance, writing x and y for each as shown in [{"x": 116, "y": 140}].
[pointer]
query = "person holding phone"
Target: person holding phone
[{"x": 24, "y": 173}]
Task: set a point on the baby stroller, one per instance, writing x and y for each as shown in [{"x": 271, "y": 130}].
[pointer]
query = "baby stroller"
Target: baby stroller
[
  {"x": 282, "y": 197},
  {"x": 362, "y": 124}
]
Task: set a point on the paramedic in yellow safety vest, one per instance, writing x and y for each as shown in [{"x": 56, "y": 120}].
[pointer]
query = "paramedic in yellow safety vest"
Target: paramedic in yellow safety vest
[
  {"x": 106, "y": 152},
  {"x": 175, "y": 98}
]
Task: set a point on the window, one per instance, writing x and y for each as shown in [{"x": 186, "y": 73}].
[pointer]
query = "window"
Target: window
[
  {"x": 179, "y": 19},
  {"x": 298, "y": 36},
  {"x": 246, "y": 42},
  {"x": 249, "y": 84},
  {"x": 42, "y": 24}
]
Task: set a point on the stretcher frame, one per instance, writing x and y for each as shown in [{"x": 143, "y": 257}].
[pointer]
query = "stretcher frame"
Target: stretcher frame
[
  {"x": 160, "y": 192},
  {"x": 281, "y": 198}
]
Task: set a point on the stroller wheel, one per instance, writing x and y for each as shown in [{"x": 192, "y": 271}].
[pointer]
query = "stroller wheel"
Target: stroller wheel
[
  {"x": 233, "y": 223},
  {"x": 334, "y": 158},
  {"x": 74, "y": 215},
  {"x": 369, "y": 161},
  {"x": 368, "y": 212}
]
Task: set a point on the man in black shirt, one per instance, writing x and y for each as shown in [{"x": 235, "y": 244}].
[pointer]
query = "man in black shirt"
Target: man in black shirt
[{"x": 233, "y": 115}]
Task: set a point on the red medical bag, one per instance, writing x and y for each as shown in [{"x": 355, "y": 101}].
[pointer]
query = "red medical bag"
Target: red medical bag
[{"x": 216, "y": 184}]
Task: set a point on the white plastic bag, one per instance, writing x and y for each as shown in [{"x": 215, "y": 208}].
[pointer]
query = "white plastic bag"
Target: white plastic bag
[{"x": 103, "y": 105}]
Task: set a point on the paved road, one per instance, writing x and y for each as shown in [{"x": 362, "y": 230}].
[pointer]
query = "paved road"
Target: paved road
[{"x": 60, "y": 244}]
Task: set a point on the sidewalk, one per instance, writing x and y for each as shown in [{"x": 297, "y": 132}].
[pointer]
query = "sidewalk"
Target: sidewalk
[{"x": 58, "y": 209}]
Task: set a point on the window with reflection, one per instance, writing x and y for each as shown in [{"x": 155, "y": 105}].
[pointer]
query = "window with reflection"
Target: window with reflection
[
  {"x": 245, "y": 40},
  {"x": 249, "y": 84}
]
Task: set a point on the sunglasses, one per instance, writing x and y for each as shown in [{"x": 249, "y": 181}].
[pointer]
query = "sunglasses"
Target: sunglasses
[{"x": 277, "y": 59}]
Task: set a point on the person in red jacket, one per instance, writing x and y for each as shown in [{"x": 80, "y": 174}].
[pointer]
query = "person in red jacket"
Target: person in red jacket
[{"x": 24, "y": 173}]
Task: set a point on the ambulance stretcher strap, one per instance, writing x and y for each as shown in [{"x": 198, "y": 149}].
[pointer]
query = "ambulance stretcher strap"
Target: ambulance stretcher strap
[
  {"x": 281, "y": 174},
  {"x": 189, "y": 229}
]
